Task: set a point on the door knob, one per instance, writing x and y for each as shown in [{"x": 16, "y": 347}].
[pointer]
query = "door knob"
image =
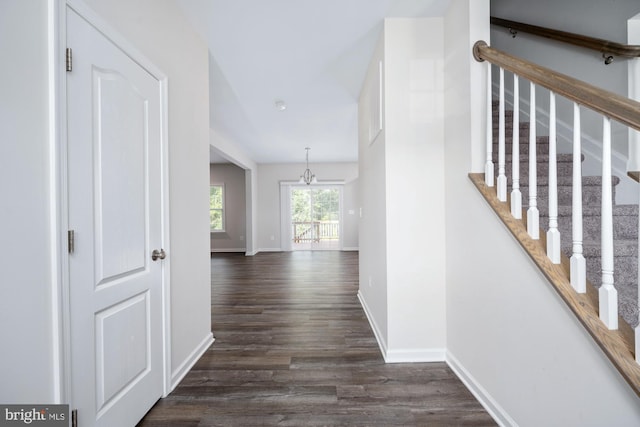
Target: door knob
[{"x": 158, "y": 254}]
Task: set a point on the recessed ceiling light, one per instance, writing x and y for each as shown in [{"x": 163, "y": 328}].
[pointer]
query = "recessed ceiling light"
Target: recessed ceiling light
[{"x": 280, "y": 105}]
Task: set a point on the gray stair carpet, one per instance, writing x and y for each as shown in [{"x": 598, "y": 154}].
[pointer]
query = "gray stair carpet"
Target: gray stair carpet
[{"x": 625, "y": 217}]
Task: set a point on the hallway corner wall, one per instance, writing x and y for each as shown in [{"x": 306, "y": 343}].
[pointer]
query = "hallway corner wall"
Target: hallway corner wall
[
  {"x": 28, "y": 368},
  {"x": 414, "y": 161},
  {"x": 402, "y": 261}
]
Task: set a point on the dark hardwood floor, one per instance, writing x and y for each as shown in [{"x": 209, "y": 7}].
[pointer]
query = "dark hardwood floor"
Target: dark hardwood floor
[{"x": 294, "y": 348}]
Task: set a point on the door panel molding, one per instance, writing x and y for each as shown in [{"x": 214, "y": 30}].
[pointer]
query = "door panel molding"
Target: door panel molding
[{"x": 112, "y": 382}]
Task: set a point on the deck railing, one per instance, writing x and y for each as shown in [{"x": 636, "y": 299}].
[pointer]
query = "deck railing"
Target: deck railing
[
  {"x": 611, "y": 107},
  {"x": 315, "y": 231}
]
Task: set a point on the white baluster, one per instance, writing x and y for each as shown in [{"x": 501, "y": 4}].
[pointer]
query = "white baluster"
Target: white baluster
[
  {"x": 502, "y": 177},
  {"x": 608, "y": 295},
  {"x": 633, "y": 37},
  {"x": 578, "y": 268},
  {"x": 488, "y": 166},
  {"x": 533, "y": 216},
  {"x": 516, "y": 195},
  {"x": 553, "y": 234}
]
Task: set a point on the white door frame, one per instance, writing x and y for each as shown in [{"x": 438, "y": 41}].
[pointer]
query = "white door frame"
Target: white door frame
[{"x": 60, "y": 197}]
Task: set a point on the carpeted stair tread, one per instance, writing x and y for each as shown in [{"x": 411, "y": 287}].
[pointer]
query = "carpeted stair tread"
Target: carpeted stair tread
[
  {"x": 523, "y": 140},
  {"x": 566, "y": 210},
  {"x": 591, "y": 196},
  {"x": 508, "y": 132},
  {"x": 564, "y": 180},
  {"x": 542, "y": 146},
  {"x": 564, "y": 165},
  {"x": 544, "y": 158},
  {"x": 542, "y": 161},
  {"x": 621, "y": 248},
  {"x": 625, "y": 222}
]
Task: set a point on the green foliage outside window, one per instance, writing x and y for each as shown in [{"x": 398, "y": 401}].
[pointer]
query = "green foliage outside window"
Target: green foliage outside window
[
  {"x": 216, "y": 207},
  {"x": 314, "y": 204},
  {"x": 315, "y": 213}
]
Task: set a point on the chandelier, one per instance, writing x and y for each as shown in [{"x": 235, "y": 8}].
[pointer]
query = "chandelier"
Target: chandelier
[{"x": 307, "y": 177}]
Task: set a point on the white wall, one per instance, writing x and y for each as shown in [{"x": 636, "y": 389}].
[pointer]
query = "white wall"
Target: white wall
[
  {"x": 269, "y": 196},
  {"x": 251, "y": 182},
  {"x": 402, "y": 273},
  {"x": 414, "y": 156},
  {"x": 633, "y": 67},
  {"x": 595, "y": 18},
  {"x": 233, "y": 237},
  {"x": 160, "y": 32},
  {"x": 351, "y": 217},
  {"x": 27, "y": 272},
  {"x": 373, "y": 216},
  {"x": 509, "y": 335},
  {"x": 238, "y": 156}
]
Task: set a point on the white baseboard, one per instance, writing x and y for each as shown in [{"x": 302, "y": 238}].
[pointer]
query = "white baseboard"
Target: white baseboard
[
  {"x": 355, "y": 249},
  {"x": 401, "y": 355},
  {"x": 219, "y": 250},
  {"x": 486, "y": 400},
  {"x": 382, "y": 344},
  {"x": 190, "y": 361},
  {"x": 416, "y": 355}
]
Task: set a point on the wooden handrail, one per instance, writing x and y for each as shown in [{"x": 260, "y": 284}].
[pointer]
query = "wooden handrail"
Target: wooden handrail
[
  {"x": 600, "y": 45},
  {"x": 609, "y": 104}
]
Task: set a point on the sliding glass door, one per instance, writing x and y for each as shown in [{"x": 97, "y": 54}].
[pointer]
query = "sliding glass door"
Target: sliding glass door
[{"x": 315, "y": 217}]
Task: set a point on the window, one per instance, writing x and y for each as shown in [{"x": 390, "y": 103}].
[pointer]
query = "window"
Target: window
[{"x": 216, "y": 207}]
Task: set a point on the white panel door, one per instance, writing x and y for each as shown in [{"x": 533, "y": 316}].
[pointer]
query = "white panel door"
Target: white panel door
[{"x": 114, "y": 175}]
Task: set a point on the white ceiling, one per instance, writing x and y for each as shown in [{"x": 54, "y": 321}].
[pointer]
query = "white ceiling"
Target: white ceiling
[{"x": 312, "y": 55}]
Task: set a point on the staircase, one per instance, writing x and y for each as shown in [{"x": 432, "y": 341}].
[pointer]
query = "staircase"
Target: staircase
[{"x": 625, "y": 217}]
